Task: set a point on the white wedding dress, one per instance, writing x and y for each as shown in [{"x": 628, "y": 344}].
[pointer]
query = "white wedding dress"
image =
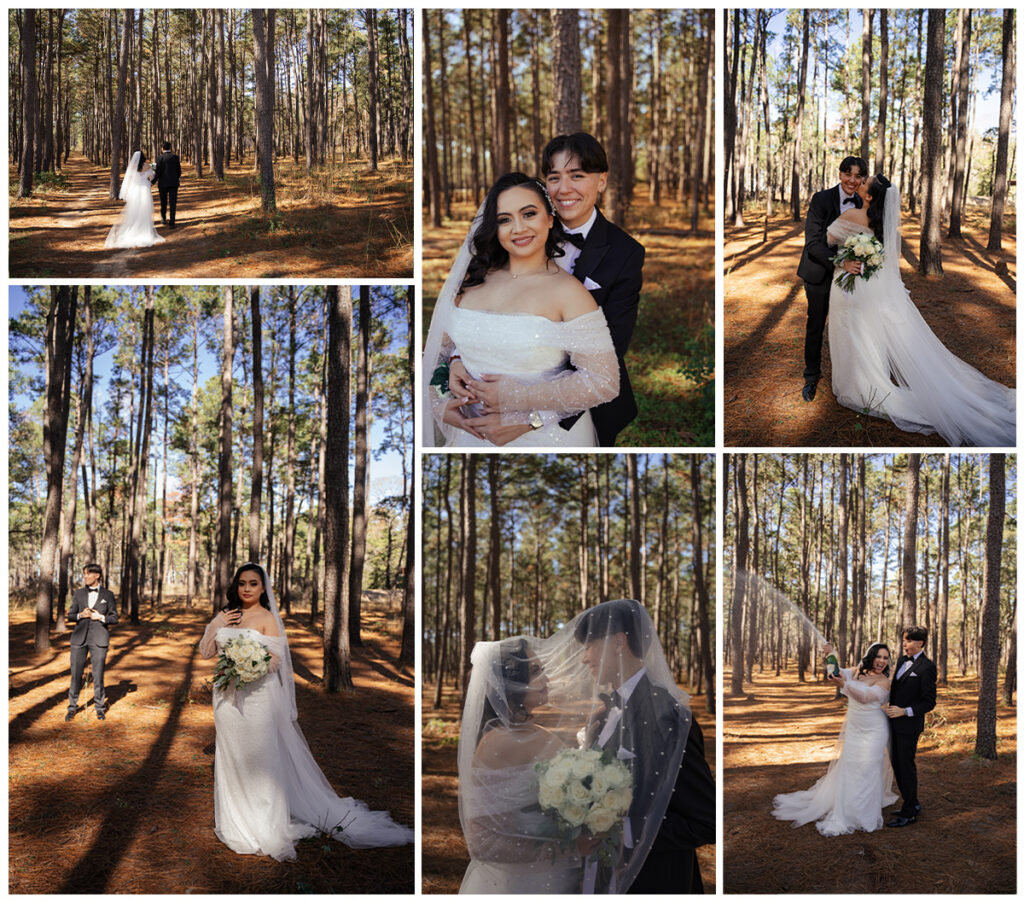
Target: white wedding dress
[
  {"x": 268, "y": 791},
  {"x": 506, "y": 856},
  {"x": 887, "y": 362},
  {"x": 532, "y": 350},
  {"x": 134, "y": 226},
  {"x": 858, "y": 784}
]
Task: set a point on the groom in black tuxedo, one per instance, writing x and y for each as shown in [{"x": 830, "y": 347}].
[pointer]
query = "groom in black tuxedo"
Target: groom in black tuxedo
[
  {"x": 816, "y": 266},
  {"x": 168, "y": 177},
  {"x": 911, "y": 695},
  {"x": 607, "y": 260},
  {"x": 644, "y": 720},
  {"x": 93, "y": 610}
]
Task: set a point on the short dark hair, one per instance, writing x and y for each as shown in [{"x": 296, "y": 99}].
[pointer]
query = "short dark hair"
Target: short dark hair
[
  {"x": 514, "y": 665},
  {"x": 616, "y": 616},
  {"x": 584, "y": 147},
  {"x": 916, "y": 633},
  {"x": 167, "y": 145},
  {"x": 93, "y": 568},
  {"x": 849, "y": 162}
]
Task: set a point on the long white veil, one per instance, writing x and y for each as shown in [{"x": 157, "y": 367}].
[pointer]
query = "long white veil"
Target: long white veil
[
  {"x": 434, "y": 432},
  {"x": 131, "y": 176},
  {"x": 887, "y": 361},
  {"x": 601, "y": 682},
  {"x": 285, "y": 669}
]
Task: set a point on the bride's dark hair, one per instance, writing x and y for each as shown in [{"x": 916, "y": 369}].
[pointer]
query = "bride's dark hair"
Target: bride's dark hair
[
  {"x": 142, "y": 159},
  {"x": 232, "y": 592},
  {"x": 514, "y": 664},
  {"x": 488, "y": 254},
  {"x": 877, "y": 188},
  {"x": 868, "y": 662}
]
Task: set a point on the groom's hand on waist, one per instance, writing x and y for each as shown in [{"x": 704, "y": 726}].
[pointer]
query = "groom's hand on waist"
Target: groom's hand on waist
[{"x": 894, "y": 711}]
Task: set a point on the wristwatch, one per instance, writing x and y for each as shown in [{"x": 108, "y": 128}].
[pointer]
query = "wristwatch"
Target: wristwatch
[{"x": 534, "y": 420}]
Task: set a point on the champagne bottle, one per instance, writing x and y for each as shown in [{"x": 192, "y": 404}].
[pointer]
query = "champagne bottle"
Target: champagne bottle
[{"x": 832, "y": 665}]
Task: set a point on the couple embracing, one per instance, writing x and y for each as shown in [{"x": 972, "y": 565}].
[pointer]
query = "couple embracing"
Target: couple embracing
[
  {"x": 528, "y": 337},
  {"x": 567, "y": 790},
  {"x": 886, "y": 361},
  {"x": 134, "y": 226},
  {"x": 878, "y": 741}
]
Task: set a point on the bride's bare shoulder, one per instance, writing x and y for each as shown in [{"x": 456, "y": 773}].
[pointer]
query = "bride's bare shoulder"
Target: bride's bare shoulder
[
  {"x": 502, "y": 747},
  {"x": 855, "y": 215}
]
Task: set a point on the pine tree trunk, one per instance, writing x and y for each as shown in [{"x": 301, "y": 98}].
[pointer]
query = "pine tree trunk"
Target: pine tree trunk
[
  {"x": 224, "y": 462},
  {"x": 995, "y": 231},
  {"x": 337, "y": 653},
  {"x": 355, "y": 592},
  {"x": 988, "y": 691},
  {"x": 931, "y": 148}
]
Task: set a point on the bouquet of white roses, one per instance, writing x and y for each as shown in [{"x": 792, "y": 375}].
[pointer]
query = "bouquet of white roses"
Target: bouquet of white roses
[
  {"x": 866, "y": 250},
  {"x": 586, "y": 790},
  {"x": 242, "y": 661}
]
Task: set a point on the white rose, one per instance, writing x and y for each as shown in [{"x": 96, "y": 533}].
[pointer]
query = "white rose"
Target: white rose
[
  {"x": 559, "y": 772},
  {"x": 875, "y": 260},
  {"x": 600, "y": 820},
  {"x": 616, "y": 776},
  {"x": 577, "y": 793},
  {"x": 574, "y": 814},
  {"x": 600, "y": 785},
  {"x": 552, "y": 795}
]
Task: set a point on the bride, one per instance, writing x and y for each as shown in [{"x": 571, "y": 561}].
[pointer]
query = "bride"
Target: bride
[
  {"x": 888, "y": 363},
  {"x": 850, "y": 796},
  {"x": 500, "y": 743},
  {"x": 517, "y": 321},
  {"x": 134, "y": 227},
  {"x": 268, "y": 792}
]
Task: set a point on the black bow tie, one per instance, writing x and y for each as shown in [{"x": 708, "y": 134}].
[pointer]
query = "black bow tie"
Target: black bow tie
[
  {"x": 576, "y": 238},
  {"x": 611, "y": 700},
  {"x": 849, "y": 201}
]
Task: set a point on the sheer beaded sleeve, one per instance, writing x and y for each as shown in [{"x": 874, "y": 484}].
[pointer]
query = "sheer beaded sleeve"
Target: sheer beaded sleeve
[
  {"x": 861, "y": 692},
  {"x": 594, "y": 380},
  {"x": 208, "y": 644}
]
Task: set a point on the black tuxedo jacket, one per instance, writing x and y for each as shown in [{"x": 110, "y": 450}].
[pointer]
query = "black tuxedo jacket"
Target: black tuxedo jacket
[
  {"x": 88, "y": 632},
  {"x": 689, "y": 819},
  {"x": 168, "y": 170},
  {"x": 614, "y": 261},
  {"x": 915, "y": 689},
  {"x": 815, "y": 264}
]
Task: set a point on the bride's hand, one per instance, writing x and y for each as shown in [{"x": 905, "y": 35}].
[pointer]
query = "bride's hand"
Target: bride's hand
[
  {"x": 454, "y": 417},
  {"x": 229, "y": 617},
  {"x": 458, "y": 379},
  {"x": 494, "y": 431},
  {"x": 839, "y": 680},
  {"x": 488, "y": 390}
]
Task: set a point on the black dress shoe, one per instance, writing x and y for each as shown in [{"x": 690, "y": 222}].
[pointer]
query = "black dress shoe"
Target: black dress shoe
[
  {"x": 810, "y": 389},
  {"x": 70, "y": 716},
  {"x": 901, "y": 821},
  {"x": 101, "y": 716}
]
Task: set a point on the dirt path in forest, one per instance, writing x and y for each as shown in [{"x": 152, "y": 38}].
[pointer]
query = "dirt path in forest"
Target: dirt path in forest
[
  {"x": 780, "y": 738},
  {"x": 445, "y": 858},
  {"x": 343, "y": 223},
  {"x": 971, "y": 308},
  {"x": 126, "y": 805}
]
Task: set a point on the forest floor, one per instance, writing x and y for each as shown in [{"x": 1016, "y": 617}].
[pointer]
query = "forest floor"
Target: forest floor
[
  {"x": 671, "y": 359},
  {"x": 779, "y": 738},
  {"x": 971, "y": 308},
  {"x": 125, "y": 805},
  {"x": 343, "y": 222},
  {"x": 444, "y": 850}
]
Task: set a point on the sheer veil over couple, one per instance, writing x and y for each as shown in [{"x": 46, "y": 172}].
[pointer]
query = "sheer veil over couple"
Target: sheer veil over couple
[
  {"x": 528, "y": 336},
  {"x": 268, "y": 791},
  {"x": 886, "y": 361},
  {"x": 564, "y": 790},
  {"x": 134, "y": 226},
  {"x": 878, "y": 740}
]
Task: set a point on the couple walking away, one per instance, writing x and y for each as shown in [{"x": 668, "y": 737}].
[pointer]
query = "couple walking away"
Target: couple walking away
[
  {"x": 878, "y": 740},
  {"x": 567, "y": 790},
  {"x": 268, "y": 791},
  {"x": 528, "y": 338},
  {"x": 134, "y": 227},
  {"x": 886, "y": 361}
]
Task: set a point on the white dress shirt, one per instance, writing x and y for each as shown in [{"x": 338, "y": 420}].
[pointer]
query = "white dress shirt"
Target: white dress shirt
[{"x": 572, "y": 253}]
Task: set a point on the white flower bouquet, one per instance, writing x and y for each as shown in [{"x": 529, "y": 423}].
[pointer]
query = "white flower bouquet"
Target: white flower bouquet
[
  {"x": 242, "y": 661},
  {"x": 866, "y": 250},
  {"x": 586, "y": 790}
]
